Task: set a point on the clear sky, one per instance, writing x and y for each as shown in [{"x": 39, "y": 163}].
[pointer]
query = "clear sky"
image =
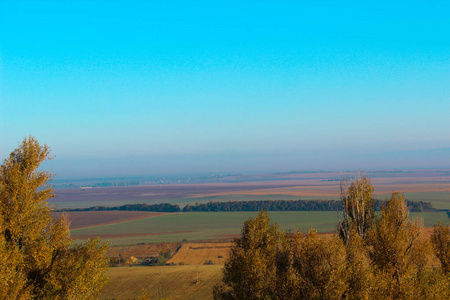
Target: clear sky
[{"x": 149, "y": 87}]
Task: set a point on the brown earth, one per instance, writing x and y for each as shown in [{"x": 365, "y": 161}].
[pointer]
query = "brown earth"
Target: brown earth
[{"x": 86, "y": 219}]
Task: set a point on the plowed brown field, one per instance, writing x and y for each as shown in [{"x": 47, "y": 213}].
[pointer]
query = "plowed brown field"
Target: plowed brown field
[{"x": 86, "y": 219}]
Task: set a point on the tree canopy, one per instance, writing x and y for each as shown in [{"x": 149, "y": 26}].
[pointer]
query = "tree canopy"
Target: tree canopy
[
  {"x": 373, "y": 256},
  {"x": 37, "y": 260}
]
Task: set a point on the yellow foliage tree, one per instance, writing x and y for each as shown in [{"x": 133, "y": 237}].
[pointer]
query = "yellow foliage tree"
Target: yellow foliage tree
[
  {"x": 36, "y": 259},
  {"x": 374, "y": 257},
  {"x": 319, "y": 266},
  {"x": 441, "y": 244},
  {"x": 264, "y": 264},
  {"x": 358, "y": 269},
  {"x": 250, "y": 271},
  {"x": 401, "y": 259},
  {"x": 357, "y": 207}
]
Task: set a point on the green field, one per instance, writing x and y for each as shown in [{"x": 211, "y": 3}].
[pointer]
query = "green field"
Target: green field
[
  {"x": 206, "y": 225},
  {"x": 217, "y": 225},
  {"x": 440, "y": 200},
  {"x": 174, "y": 282}
]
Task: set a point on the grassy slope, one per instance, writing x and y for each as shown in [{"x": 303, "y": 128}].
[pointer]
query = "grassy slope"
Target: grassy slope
[{"x": 176, "y": 282}]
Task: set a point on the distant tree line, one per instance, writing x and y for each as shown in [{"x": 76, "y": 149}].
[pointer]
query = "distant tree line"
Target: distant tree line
[
  {"x": 292, "y": 205},
  {"x": 266, "y": 205}
]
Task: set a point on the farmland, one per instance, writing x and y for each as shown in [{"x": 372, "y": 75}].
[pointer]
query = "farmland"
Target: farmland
[
  {"x": 431, "y": 185},
  {"x": 213, "y": 225},
  {"x": 144, "y": 234},
  {"x": 86, "y": 219},
  {"x": 126, "y": 229},
  {"x": 200, "y": 226},
  {"x": 199, "y": 253}
]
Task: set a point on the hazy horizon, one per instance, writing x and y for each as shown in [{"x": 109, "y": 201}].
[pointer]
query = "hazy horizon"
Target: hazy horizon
[
  {"x": 139, "y": 88},
  {"x": 199, "y": 164}
]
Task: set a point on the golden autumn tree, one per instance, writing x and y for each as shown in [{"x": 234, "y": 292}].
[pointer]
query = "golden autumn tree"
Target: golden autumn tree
[
  {"x": 319, "y": 266},
  {"x": 357, "y": 207},
  {"x": 441, "y": 245},
  {"x": 358, "y": 219},
  {"x": 37, "y": 260},
  {"x": 359, "y": 274},
  {"x": 401, "y": 258},
  {"x": 377, "y": 256},
  {"x": 251, "y": 269},
  {"x": 265, "y": 264}
]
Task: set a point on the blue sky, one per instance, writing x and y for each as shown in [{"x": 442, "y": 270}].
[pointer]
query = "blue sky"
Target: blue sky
[{"x": 148, "y": 87}]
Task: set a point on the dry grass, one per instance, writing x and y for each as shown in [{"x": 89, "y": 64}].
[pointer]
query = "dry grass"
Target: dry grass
[
  {"x": 172, "y": 282},
  {"x": 199, "y": 253}
]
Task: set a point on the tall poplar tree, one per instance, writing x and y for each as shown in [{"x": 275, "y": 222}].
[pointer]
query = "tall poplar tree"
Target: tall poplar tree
[
  {"x": 37, "y": 260},
  {"x": 357, "y": 207}
]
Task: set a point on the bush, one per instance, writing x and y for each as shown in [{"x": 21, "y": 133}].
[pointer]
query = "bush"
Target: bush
[
  {"x": 157, "y": 261},
  {"x": 166, "y": 253}
]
